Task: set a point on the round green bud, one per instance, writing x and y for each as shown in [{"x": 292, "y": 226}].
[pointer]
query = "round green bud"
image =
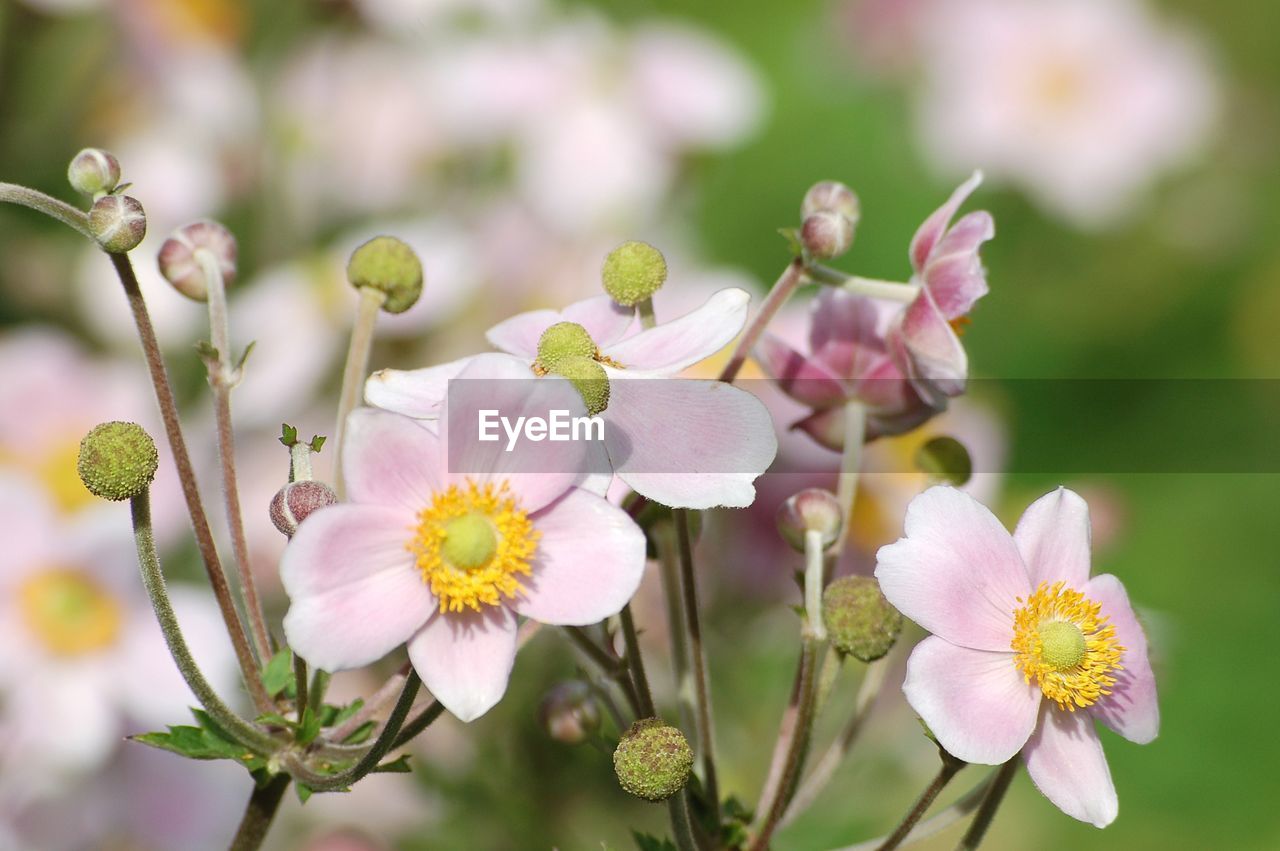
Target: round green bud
[
  {"x": 117, "y": 461},
  {"x": 387, "y": 264},
  {"x": 633, "y": 272},
  {"x": 118, "y": 223},
  {"x": 859, "y": 619},
  {"x": 589, "y": 379},
  {"x": 93, "y": 172},
  {"x": 653, "y": 760},
  {"x": 570, "y": 712},
  {"x": 564, "y": 340}
]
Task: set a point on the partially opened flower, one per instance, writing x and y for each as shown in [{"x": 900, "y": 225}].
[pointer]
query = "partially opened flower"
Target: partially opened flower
[
  {"x": 687, "y": 443},
  {"x": 946, "y": 267},
  {"x": 442, "y": 551},
  {"x": 1027, "y": 650}
]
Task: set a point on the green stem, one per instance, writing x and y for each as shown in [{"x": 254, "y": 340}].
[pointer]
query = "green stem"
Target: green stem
[
  {"x": 301, "y": 697},
  {"x": 922, "y": 804},
  {"x": 357, "y": 367},
  {"x": 187, "y": 476},
  {"x": 934, "y": 825},
  {"x": 645, "y": 310},
  {"x": 872, "y": 287},
  {"x": 999, "y": 786},
  {"x": 153, "y": 581},
  {"x": 75, "y": 219},
  {"x": 792, "y": 277},
  {"x": 669, "y": 562},
  {"x": 704, "y": 720},
  {"x": 420, "y": 722},
  {"x": 258, "y": 815},
  {"x": 814, "y": 568},
  {"x": 635, "y": 664},
  {"x": 681, "y": 825},
  {"x": 855, "y": 426},
  {"x": 610, "y": 665},
  {"x": 385, "y": 742},
  {"x": 222, "y": 378}
]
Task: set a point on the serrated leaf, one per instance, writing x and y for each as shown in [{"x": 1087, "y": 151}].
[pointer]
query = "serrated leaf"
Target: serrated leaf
[
  {"x": 399, "y": 765},
  {"x": 361, "y": 734},
  {"x": 652, "y": 843},
  {"x": 317, "y": 442},
  {"x": 308, "y": 727},
  {"x": 337, "y": 715},
  {"x": 288, "y": 434},
  {"x": 279, "y": 672}
]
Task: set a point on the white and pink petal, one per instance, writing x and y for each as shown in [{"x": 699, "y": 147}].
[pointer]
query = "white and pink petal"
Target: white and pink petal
[
  {"x": 1132, "y": 708},
  {"x": 1065, "y": 760},
  {"x": 465, "y": 658},
  {"x": 1053, "y": 537},
  {"x": 674, "y": 346}
]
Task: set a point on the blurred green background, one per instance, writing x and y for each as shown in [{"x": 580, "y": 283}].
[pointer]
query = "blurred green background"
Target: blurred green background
[{"x": 1187, "y": 287}]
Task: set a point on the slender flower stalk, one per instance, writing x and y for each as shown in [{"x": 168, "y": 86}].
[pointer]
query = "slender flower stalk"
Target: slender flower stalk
[
  {"x": 258, "y": 815},
  {"x": 872, "y": 287},
  {"x": 704, "y": 722},
  {"x": 153, "y": 581},
  {"x": 223, "y": 377},
  {"x": 990, "y": 803},
  {"x": 635, "y": 664},
  {"x": 609, "y": 663},
  {"x": 935, "y": 824},
  {"x": 681, "y": 824},
  {"x": 792, "y": 277},
  {"x": 855, "y": 424},
  {"x": 71, "y": 217},
  {"x": 950, "y": 766},
  {"x": 372, "y": 704},
  {"x": 357, "y": 367},
  {"x": 186, "y": 475},
  {"x": 814, "y": 568},
  {"x": 669, "y": 562}
]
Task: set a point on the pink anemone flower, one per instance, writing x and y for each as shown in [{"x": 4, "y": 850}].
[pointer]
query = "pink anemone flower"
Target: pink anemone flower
[
  {"x": 686, "y": 443},
  {"x": 444, "y": 560},
  {"x": 1027, "y": 650}
]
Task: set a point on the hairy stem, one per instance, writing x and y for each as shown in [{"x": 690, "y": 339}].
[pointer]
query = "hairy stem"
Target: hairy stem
[
  {"x": 987, "y": 811},
  {"x": 635, "y": 664},
  {"x": 190, "y": 491},
  {"x": 704, "y": 722},
  {"x": 258, "y": 815},
  {"x": 153, "y": 581},
  {"x": 935, "y": 824},
  {"x": 782, "y": 290},
  {"x": 353, "y": 375},
  {"x": 669, "y": 562},
  {"x": 923, "y": 803},
  {"x": 681, "y": 825},
  {"x": 223, "y": 377},
  {"x": 11, "y": 193},
  {"x": 872, "y": 287},
  {"x": 608, "y": 663}
]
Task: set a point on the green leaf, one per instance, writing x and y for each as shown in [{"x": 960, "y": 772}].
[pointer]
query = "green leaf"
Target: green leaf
[
  {"x": 245, "y": 356},
  {"x": 345, "y": 712},
  {"x": 288, "y": 434},
  {"x": 361, "y": 734},
  {"x": 652, "y": 843},
  {"x": 309, "y": 727},
  {"x": 304, "y": 791},
  {"x": 399, "y": 765},
  {"x": 278, "y": 674},
  {"x": 792, "y": 236},
  {"x": 275, "y": 719},
  {"x": 317, "y": 442}
]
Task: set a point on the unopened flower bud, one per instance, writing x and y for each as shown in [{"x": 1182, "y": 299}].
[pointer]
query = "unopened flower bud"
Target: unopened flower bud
[
  {"x": 653, "y": 760},
  {"x": 180, "y": 266},
  {"x": 859, "y": 619},
  {"x": 294, "y": 502},
  {"x": 831, "y": 196},
  {"x": 570, "y": 712},
  {"x": 118, "y": 223},
  {"x": 812, "y": 509},
  {"x": 589, "y": 379},
  {"x": 387, "y": 264},
  {"x": 117, "y": 461},
  {"x": 93, "y": 172},
  {"x": 826, "y": 235},
  {"x": 633, "y": 272},
  {"x": 564, "y": 340}
]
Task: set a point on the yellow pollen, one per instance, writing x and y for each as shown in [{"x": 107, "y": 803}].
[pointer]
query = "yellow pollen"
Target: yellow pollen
[
  {"x": 1063, "y": 643},
  {"x": 472, "y": 544},
  {"x": 69, "y": 612}
]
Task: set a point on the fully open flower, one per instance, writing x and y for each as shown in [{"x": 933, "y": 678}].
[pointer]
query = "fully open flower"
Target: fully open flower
[
  {"x": 442, "y": 552},
  {"x": 1027, "y": 650},
  {"x": 687, "y": 443}
]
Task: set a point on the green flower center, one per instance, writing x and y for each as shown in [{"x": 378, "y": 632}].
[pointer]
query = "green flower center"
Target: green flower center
[
  {"x": 469, "y": 541},
  {"x": 1062, "y": 645}
]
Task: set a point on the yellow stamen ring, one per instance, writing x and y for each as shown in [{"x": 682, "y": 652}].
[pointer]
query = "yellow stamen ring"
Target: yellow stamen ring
[{"x": 1063, "y": 642}]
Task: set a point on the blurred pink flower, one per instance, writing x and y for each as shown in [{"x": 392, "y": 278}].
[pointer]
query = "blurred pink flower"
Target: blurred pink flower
[
  {"x": 444, "y": 561},
  {"x": 691, "y": 443},
  {"x": 1082, "y": 103},
  {"x": 1027, "y": 649}
]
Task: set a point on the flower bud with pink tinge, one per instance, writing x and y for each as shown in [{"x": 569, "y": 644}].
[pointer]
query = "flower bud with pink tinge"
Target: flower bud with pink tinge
[
  {"x": 826, "y": 235},
  {"x": 93, "y": 172},
  {"x": 178, "y": 257},
  {"x": 812, "y": 509},
  {"x": 570, "y": 712},
  {"x": 118, "y": 223},
  {"x": 831, "y": 196},
  {"x": 294, "y": 502}
]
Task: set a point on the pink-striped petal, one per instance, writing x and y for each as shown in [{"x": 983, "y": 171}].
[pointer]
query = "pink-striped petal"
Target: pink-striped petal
[
  {"x": 389, "y": 459},
  {"x": 465, "y": 658},
  {"x": 1132, "y": 709},
  {"x": 927, "y": 236},
  {"x": 676, "y": 345},
  {"x": 848, "y": 331},
  {"x": 954, "y": 273},
  {"x": 416, "y": 393},
  {"x": 602, "y": 317},
  {"x": 957, "y": 572},
  {"x": 520, "y": 334},
  {"x": 804, "y": 379},
  {"x": 589, "y": 563},
  {"x": 1053, "y": 537},
  {"x": 974, "y": 702},
  {"x": 1065, "y": 760},
  {"x": 929, "y": 352},
  {"x": 354, "y": 590},
  {"x": 688, "y": 443}
]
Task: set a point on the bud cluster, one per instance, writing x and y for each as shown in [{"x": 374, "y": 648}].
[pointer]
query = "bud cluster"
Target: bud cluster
[{"x": 829, "y": 215}]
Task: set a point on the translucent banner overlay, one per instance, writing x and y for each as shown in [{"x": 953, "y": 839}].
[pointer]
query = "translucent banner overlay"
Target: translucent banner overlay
[{"x": 1116, "y": 425}]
